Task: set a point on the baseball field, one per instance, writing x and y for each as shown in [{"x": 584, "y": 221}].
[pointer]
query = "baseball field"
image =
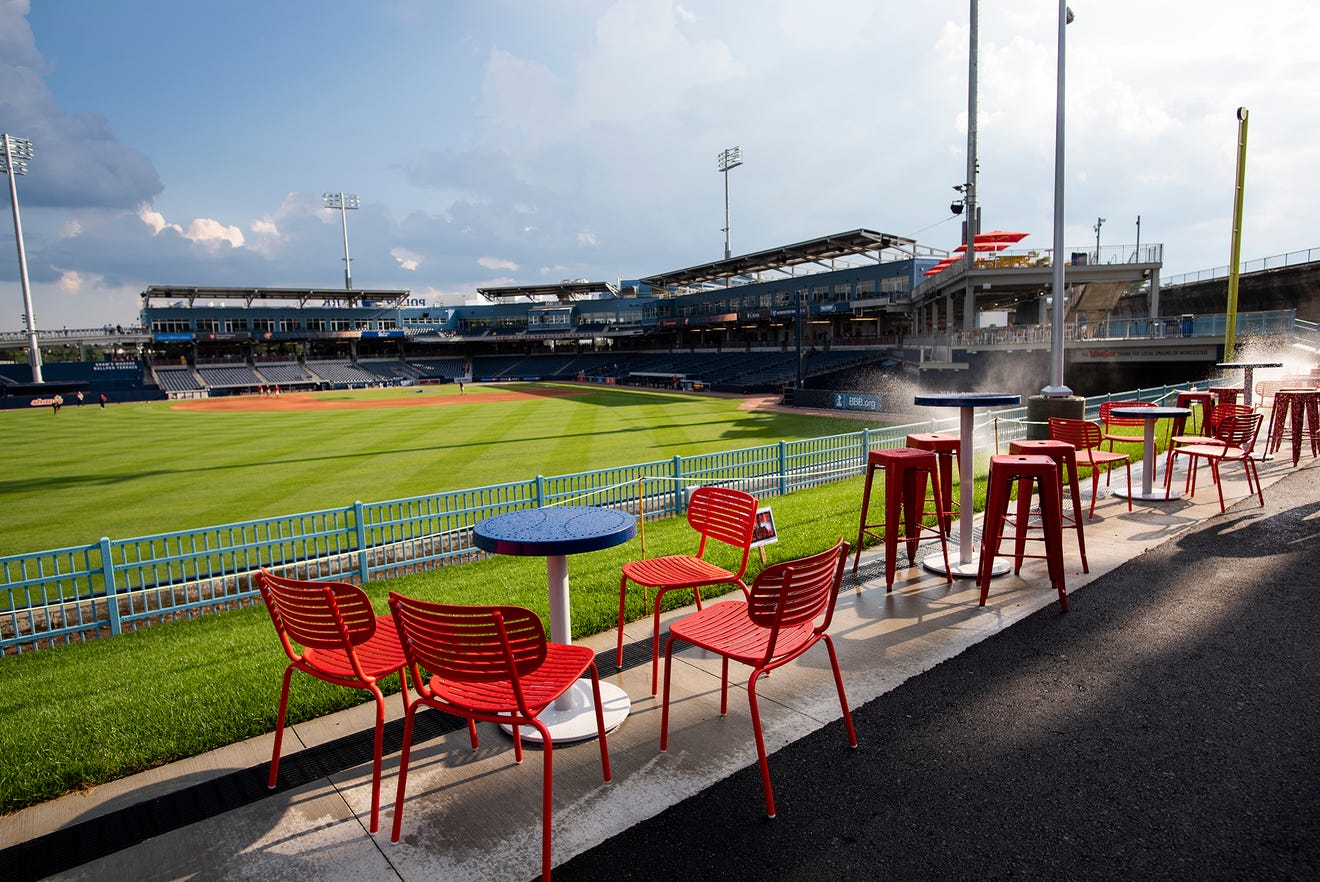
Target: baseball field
[{"x": 137, "y": 469}]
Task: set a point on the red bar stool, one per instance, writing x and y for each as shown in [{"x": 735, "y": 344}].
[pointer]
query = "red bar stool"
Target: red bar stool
[
  {"x": 945, "y": 446},
  {"x": 1189, "y": 398},
  {"x": 906, "y": 470},
  {"x": 1024, "y": 472},
  {"x": 1065, "y": 456}
]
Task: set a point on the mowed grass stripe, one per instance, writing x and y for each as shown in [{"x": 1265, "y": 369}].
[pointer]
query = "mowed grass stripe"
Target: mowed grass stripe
[{"x": 141, "y": 469}]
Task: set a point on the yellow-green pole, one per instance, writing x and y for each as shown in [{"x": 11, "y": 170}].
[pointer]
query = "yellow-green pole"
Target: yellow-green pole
[{"x": 1235, "y": 258}]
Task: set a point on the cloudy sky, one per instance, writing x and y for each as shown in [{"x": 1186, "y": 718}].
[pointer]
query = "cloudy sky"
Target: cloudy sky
[{"x": 519, "y": 141}]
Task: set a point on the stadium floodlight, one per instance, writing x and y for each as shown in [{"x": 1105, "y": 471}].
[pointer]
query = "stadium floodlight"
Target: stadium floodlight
[
  {"x": 343, "y": 201},
  {"x": 729, "y": 158},
  {"x": 18, "y": 151}
]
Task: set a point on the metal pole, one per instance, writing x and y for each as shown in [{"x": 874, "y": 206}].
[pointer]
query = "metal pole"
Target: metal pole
[
  {"x": 727, "y": 252},
  {"x": 1099, "y": 222},
  {"x": 1136, "y": 257},
  {"x": 969, "y": 294},
  {"x": 1056, "y": 388},
  {"x": 34, "y": 350},
  {"x": 1235, "y": 257},
  {"x": 343, "y": 219}
]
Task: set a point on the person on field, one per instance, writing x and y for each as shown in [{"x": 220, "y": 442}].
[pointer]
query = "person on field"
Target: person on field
[{"x": 103, "y": 400}]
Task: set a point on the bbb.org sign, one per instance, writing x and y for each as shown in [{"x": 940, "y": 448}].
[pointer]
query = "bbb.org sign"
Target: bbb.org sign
[{"x": 856, "y": 401}]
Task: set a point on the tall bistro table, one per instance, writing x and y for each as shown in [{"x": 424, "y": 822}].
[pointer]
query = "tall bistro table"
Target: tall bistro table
[
  {"x": 554, "y": 533},
  {"x": 1150, "y": 416},
  {"x": 1247, "y": 367},
  {"x": 968, "y": 566}
]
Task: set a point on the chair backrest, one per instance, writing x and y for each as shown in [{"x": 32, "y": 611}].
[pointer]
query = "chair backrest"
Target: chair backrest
[
  {"x": 317, "y": 615},
  {"x": 467, "y": 644},
  {"x": 797, "y": 591},
  {"x": 1110, "y": 420},
  {"x": 725, "y": 515},
  {"x": 1239, "y": 430},
  {"x": 1082, "y": 434},
  {"x": 1220, "y": 412}
]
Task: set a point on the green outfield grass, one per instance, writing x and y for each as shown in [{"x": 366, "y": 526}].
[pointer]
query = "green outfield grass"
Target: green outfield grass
[{"x": 138, "y": 469}]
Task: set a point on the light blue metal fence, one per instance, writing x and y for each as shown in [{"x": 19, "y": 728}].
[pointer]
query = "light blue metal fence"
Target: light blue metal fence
[{"x": 115, "y": 585}]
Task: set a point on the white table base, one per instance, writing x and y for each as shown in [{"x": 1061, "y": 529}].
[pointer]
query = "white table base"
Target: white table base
[
  {"x": 970, "y": 569},
  {"x": 577, "y": 721}
]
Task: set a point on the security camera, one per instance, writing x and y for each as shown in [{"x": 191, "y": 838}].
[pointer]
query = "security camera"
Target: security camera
[{"x": 956, "y": 207}]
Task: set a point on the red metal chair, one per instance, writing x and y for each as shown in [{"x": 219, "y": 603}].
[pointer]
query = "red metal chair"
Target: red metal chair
[
  {"x": 776, "y": 625},
  {"x": 718, "y": 514},
  {"x": 1109, "y": 422},
  {"x": 493, "y": 664},
  {"x": 1214, "y": 413},
  {"x": 343, "y": 642},
  {"x": 1234, "y": 440},
  {"x": 1086, "y": 437}
]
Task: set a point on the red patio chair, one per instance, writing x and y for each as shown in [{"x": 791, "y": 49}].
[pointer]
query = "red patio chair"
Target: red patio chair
[
  {"x": 778, "y": 624},
  {"x": 1086, "y": 437},
  {"x": 1213, "y": 414},
  {"x": 493, "y": 664},
  {"x": 1233, "y": 442},
  {"x": 1109, "y": 422},
  {"x": 343, "y": 642},
  {"x": 718, "y": 514}
]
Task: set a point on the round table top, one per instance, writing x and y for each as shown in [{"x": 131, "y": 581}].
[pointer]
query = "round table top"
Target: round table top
[
  {"x": 1249, "y": 364},
  {"x": 967, "y": 399},
  {"x": 1151, "y": 413},
  {"x": 555, "y": 530}
]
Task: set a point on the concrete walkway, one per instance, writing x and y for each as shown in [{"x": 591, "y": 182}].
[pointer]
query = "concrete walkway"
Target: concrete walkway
[{"x": 1166, "y": 726}]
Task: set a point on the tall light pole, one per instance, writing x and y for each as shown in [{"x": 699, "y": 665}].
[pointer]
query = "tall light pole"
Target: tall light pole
[
  {"x": 1099, "y": 222},
  {"x": 969, "y": 194},
  {"x": 343, "y": 201},
  {"x": 17, "y": 153},
  {"x": 729, "y": 158},
  {"x": 1056, "y": 389}
]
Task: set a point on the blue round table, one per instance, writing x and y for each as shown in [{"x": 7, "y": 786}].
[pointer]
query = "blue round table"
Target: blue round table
[
  {"x": 1150, "y": 415},
  {"x": 968, "y": 565},
  {"x": 554, "y": 533}
]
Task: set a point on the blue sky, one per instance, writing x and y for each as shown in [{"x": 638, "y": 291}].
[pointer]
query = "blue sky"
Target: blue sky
[{"x": 503, "y": 142}]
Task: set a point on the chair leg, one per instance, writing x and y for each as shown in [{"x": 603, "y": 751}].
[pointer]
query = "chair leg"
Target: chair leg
[
  {"x": 378, "y": 749},
  {"x": 843, "y": 698},
  {"x": 1219, "y": 485},
  {"x": 655, "y": 640},
  {"x": 600, "y": 722},
  {"x": 547, "y": 794},
  {"x": 279, "y": 729},
  {"x": 664, "y": 702},
  {"x": 403, "y": 769},
  {"x": 623, "y": 596},
  {"x": 760, "y": 744}
]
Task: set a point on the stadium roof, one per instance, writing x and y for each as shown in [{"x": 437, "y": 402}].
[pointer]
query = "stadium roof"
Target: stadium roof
[
  {"x": 572, "y": 289},
  {"x": 323, "y": 296},
  {"x": 783, "y": 259}
]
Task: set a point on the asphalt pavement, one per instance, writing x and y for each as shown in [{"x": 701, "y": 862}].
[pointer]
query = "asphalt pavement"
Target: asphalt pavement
[{"x": 1166, "y": 727}]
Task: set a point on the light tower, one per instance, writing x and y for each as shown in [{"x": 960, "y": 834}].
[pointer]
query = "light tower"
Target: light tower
[
  {"x": 17, "y": 153},
  {"x": 729, "y": 158},
  {"x": 343, "y": 201}
]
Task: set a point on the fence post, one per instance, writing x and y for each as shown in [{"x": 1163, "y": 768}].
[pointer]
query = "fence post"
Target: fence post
[
  {"x": 783, "y": 468},
  {"x": 678, "y": 485},
  {"x": 111, "y": 590},
  {"x": 539, "y": 491},
  {"x": 358, "y": 514}
]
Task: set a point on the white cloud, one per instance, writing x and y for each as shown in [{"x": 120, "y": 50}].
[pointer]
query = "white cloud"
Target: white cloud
[
  {"x": 497, "y": 263},
  {"x": 71, "y": 281},
  {"x": 211, "y": 233},
  {"x": 156, "y": 220},
  {"x": 265, "y": 227},
  {"x": 409, "y": 260},
  {"x": 70, "y": 229},
  {"x": 588, "y": 238}
]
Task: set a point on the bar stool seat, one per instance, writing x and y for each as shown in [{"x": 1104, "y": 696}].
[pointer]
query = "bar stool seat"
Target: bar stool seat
[
  {"x": 1024, "y": 472},
  {"x": 945, "y": 446},
  {"x": 1065, "y": 455},
  {"x": 906, "y": 471}
]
